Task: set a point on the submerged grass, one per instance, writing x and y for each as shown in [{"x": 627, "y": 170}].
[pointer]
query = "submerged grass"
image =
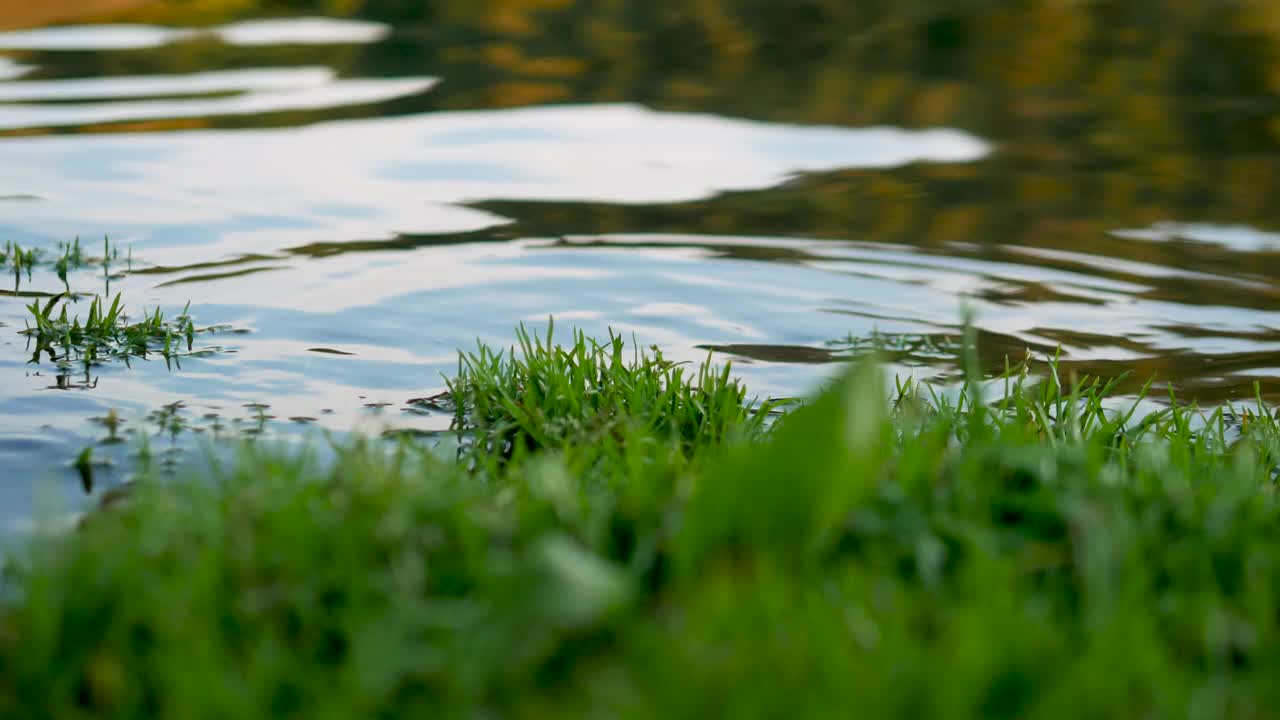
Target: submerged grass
[
  {"x": 69, "y": 256},
  {"x": 621, "y": 542},
  {"x": 106, "y": 333}
]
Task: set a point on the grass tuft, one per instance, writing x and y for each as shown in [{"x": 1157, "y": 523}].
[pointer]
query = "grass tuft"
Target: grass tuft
[
  {"x": 106, "y": 333},
  {"x": 70, "y": 256},
  {"x": 540, "y": 396}
]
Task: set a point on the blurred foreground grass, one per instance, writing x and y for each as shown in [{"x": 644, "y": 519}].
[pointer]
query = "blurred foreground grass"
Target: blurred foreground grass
[{"x": 618, "y": 541}]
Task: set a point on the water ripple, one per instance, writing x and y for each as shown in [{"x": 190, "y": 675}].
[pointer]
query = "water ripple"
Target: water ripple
[{"x": 300, "y": 31}]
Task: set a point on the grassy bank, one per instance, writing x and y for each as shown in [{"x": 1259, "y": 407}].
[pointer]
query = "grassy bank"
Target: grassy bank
[{"x": 624, "y": 537}]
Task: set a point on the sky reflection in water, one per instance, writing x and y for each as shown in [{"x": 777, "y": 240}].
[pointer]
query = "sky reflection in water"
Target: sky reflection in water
[{"x": 354, "y": 229}]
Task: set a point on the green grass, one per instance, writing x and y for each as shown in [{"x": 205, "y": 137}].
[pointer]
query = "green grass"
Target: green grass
[
  {"x": 70, "y": 256},
  {"x": 106, "y": 333},
  {"x": 618, "y": 542},
  {"x": 593, "y": 398},
  {"x": 18, "y": 259}
]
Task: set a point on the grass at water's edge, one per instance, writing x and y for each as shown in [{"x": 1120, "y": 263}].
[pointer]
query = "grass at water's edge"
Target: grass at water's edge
[{"x": 617, "y": 541}]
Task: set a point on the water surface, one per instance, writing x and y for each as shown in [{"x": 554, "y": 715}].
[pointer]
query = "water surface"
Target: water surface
[{"x": 352, "y": 198}]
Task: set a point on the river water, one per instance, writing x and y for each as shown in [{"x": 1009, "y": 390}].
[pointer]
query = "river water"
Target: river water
[{"x": 349, "y": 192}]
